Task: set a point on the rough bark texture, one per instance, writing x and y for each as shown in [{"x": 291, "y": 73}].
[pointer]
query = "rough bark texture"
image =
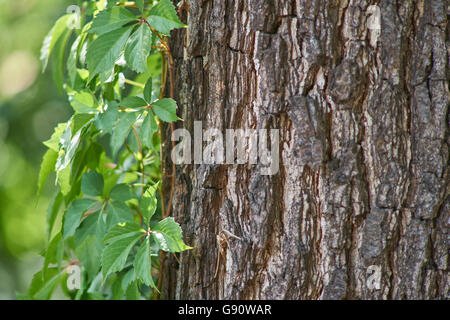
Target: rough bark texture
[{"x": 364, "y": 147}]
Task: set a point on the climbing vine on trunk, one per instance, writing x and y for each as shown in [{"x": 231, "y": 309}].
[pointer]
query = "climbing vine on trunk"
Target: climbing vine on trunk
[{"x": 112, "y": 60}]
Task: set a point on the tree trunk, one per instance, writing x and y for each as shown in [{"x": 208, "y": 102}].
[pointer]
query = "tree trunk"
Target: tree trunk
[{"x": 363, "y": 185}]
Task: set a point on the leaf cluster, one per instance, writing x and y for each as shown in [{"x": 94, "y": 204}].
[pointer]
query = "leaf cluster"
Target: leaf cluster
[{"x": 106, "y": 214}]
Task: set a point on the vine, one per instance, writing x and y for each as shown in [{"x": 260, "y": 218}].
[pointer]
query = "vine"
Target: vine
[{"x": 108, "y": 157}]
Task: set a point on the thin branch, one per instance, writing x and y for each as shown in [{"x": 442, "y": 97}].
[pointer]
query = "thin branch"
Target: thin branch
[{"x": 134, "y": 83}]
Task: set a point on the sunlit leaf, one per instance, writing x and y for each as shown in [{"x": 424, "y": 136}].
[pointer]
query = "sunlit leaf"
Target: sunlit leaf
[
  {"x": 112, "y": 19},
  {"x": 138, "y": 49},
  {"x": 103, "y": 53},
  {"x": 166, "y": 109},
  {"x": 167, "y": 233}
]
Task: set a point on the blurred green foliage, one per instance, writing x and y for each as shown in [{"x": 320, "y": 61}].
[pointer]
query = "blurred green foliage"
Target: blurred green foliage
[{"x": 30, "y": 107}]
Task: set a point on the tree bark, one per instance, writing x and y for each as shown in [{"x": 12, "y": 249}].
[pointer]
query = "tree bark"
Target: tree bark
[{"x": 364, "y": 150}]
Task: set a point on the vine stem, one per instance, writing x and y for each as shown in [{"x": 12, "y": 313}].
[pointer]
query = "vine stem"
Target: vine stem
[
  {"x": 167, "y": 209},
  {"x": 141, "y": 165},
  {"x": 134, "y": 83}
]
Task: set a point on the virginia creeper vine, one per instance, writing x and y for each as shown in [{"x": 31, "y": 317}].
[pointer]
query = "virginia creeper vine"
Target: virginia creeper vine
[{"x": 108, "y": 156}]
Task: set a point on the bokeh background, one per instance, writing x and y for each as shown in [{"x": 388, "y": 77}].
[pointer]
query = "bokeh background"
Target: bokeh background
[{"x": 30, "y": 107}]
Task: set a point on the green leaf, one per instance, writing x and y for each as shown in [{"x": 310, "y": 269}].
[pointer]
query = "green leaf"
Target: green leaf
[
  {"x": 71, "y": 63},
  {"x": 52, "y": 211},
  {"x": 163, "y": 17},
  {"x": 80, "y": 120},
  {"x": 58, "y": 60},
  {"x": 47, "y": 166},
  {"x": 167, "y": 233},
  {"x": 133, "y": 102},
  {"x": 52, "y": 38},
  {"x": 143, "y": 264},
  {"x": 88, "y": 227},
  {"x": 149, "y": 203},
  {"x": 69, "y": 146},
  {"x": 140, "y": 5},
  {"x": 44, "y": 283},
  {"x": 103, "y": 53},
  {"x": 121, "y": 130},
  {"x": 73, "y": 215},
  {"x": 92, "y": 184},
  {"x": 112, "y": 19},
  {"x": 106, "y": 120},
  {"x": 138, "y": 49},
  {"x": 93, "y": 154},
  {"x": 148, "y": 128},
  {"x": 116, "y": 253},
  {"x": 132, "y": 292},
  {"x": 63, "y": 178},
  {"x": 148, "y": 90},
  {"x": 116, "y": 288},
  {"x": 118, "y": 212},
  {"x": 128, "y": 278},
  {"x": 122, "y": 192},
  {"x": 82, "y": 102},
  {"x": 89, "y": 254},
  {"x": 53, "y": 142},
  {"x": 122, "y": 230},
  {"x": 55, "y": 251},
  {"x": 166, "y": 109}
]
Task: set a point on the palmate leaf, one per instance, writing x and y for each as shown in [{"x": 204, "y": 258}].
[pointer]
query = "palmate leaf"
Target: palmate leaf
[
  {"x": 138, "y": 49},
  {"x": 163, "y": 17},
  {"x": 168, "y": 235},
  {"x": 143, "y": 264},
  {"x": 111, "y": 19},
  {"x": 103, "y": 53},
  {"x": 114, "y": 36}
]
